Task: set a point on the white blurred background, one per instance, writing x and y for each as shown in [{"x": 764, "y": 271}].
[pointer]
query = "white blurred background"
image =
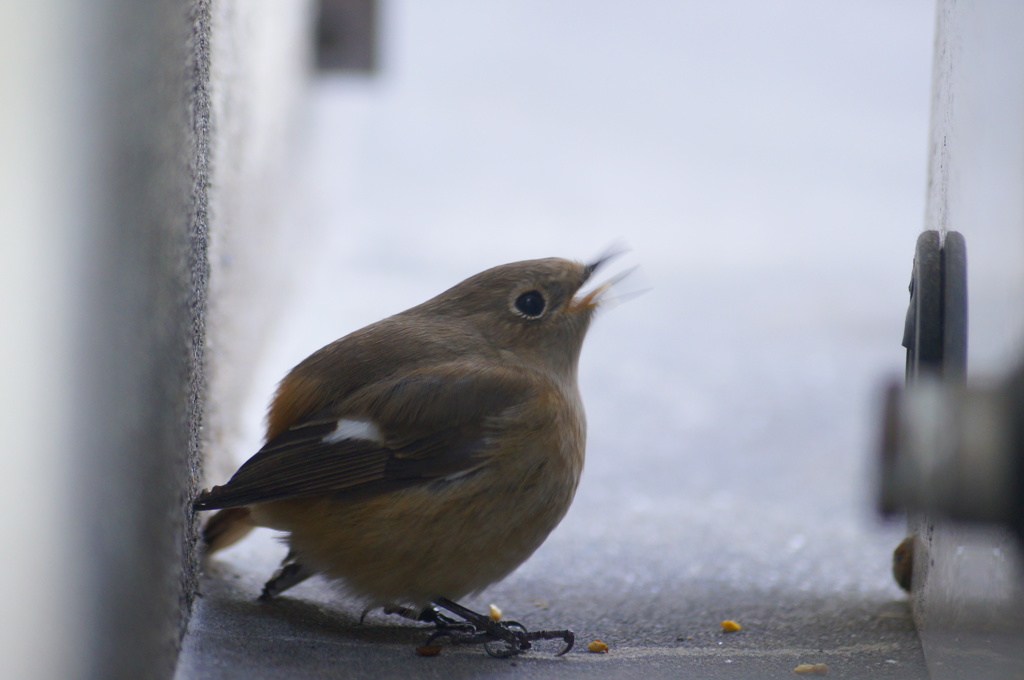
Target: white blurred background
[{"x": 765, "y": 163}]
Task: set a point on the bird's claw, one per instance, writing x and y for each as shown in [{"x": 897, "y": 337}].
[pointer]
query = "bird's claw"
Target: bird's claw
[
  {"x": 500, "y": 639},
  {"x": 567, "y": 636},
  {"x": 523, "y": 638}
]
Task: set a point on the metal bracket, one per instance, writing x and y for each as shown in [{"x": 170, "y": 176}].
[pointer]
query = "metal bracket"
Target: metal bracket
[{"x": 935, "y": 336}]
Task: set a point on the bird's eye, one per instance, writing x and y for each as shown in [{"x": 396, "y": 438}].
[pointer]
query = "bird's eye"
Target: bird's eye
[{"x": 530, "y": 304}]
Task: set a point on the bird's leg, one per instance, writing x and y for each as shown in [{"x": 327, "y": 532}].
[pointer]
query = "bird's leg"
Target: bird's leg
[
  {"x": 428, "y": 614},
  {"x": 500, "y": 639},
  {"x": 290, "y": 573}
]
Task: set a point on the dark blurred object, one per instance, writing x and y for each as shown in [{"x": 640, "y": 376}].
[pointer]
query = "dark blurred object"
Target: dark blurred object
[
  {"x": 956, "y": 451},
  {"x": 903, "y": 563},
  {"x": 952, "y": 449},
  {"x": 935, "y": 332},
  {"x": 346, "y": 35},
  {"x": 914, "y": 474}
]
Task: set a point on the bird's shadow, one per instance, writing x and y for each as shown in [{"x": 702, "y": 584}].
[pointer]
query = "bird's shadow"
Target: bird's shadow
[{"x": 323, "y": 617}]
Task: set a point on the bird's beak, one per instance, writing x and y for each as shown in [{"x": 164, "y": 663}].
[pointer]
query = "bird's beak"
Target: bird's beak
[
  {"x": 593, "y": 298},
  {"x": 613, "y": 252}
]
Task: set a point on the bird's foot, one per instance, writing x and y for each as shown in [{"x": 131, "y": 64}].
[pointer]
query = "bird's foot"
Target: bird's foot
[
  {"x": 291, "y": 573},
  {"x": 500, "y": 639}
]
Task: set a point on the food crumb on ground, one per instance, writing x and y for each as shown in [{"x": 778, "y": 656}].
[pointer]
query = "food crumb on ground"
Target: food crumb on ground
[{"x": 811, "y": 669}]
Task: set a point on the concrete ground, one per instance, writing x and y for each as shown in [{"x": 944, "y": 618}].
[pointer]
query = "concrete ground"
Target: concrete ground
[{"x": 767, "y": 168}]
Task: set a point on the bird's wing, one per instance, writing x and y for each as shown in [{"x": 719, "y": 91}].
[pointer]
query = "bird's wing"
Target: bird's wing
[{"x": 432, "y": 424}]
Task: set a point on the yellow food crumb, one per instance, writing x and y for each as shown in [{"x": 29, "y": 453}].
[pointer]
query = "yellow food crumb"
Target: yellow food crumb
[
  {"x": 811, "y": 669},
  {"x": 429, "y": 650},
  {"x": 597, "y": 647},
  {"x": 494, "y": 613},
  {"x": 730, "y": 626}
]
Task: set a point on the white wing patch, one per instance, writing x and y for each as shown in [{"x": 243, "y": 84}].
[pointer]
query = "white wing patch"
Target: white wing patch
[{"x": 349, "y": 428}]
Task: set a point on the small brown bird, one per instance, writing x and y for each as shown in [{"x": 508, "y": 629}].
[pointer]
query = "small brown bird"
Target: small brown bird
[{"x": 426, "y": 456}]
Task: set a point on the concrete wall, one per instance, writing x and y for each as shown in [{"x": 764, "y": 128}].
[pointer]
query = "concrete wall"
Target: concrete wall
[
  {"x": 967, "y": 592},
  {"x": 261, "y": 56},
  {"x": 139, "y": 138}
]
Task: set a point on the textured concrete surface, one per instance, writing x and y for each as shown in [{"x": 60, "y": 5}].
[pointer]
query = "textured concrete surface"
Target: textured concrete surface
[
  {"x": 109, "y": 396},
  {"x": 139, "y": 382},
  {"x": 770, "y": 185},
  {"x": 106, "y": 186}
]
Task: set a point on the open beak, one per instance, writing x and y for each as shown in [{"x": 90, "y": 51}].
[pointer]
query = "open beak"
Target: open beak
[
  {"x": 593, "y": 297},
  {"x": 614, "y": 251}
]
